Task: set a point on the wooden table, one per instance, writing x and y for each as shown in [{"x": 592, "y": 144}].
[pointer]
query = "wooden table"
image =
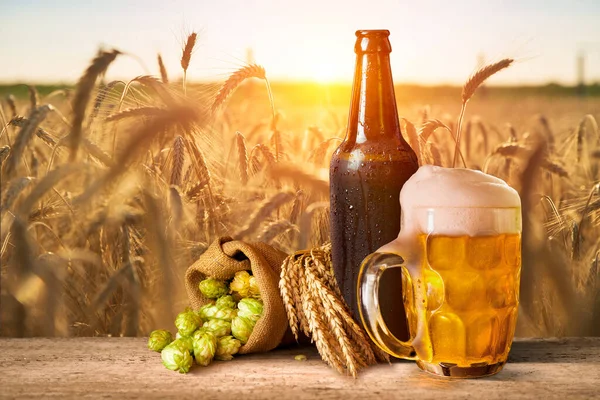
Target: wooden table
[{"x": 125, "y": 368}]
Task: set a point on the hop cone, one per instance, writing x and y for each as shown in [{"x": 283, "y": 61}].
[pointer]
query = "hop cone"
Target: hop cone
[
  {"x": 250, "y": 308},
  {"x": 204, "y": 348},
  {"x": 227, "y": 346},
  {"x": 254, "y": 291},
  {"x": 159, "y": 339},
  {"x": 241, "y": 283},
  {"x": 241, "y": 328},
  {"x": 186, "y": 341},
  {"x": 225, "y": 301},
  {"x": 213, "y": 288},
  {"x": 214, "y": 312},
  {"x": 187, "y": 322},
  {"x": 199, "y": 332},
  {"x": 206, "y": 311},
  {"x": 177, "y": 357},
  {"x": 218, "y": 326}
]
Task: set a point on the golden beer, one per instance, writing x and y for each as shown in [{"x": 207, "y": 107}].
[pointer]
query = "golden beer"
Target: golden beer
[
  {"x": 459, "y": 250},
  {"x": 471, "y": 289}
]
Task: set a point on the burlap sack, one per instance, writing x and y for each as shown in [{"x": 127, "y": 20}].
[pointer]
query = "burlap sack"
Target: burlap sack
[{"x": 222, "y": 260}]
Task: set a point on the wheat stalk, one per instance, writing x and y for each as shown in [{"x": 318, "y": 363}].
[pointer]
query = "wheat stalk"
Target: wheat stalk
[
  {"x": 163, "y": 70},
  {"x": 41, "y": 133},
  {"x": 325, "y": 309},
  {"x": 297, "y": 207},
  {"x": 286, "y": 290},
  {"x": 176, "y": 205},
  {"x": 47, "y": 183},
  {"x": 12, "y": 104},
  {"x": 28, "y": 128},
  {"x": 13, "y": 191},
  {"x": 429, "y": 127},
  {"x": 481, "y": 76},
  {"x": 186, "y": 56},
  {"x": 100, "y": 97},
  {"x": 234, "y": 80},
  {"x": 276, "y": 228},
  {"x": 4, "y": 152},
  {"x": 318, "y": 155},
  {"x": 297, "y": 175},
  {"x": 314, "y": 304},
  {"x": 263, "y": 212},
  {"x": 34, "y": 98},
  {"x": 178, "y": 161},
  {"x": 413, "y": 138},
  {"x": 137, "y": 112},
  {"x": 242, "y": 157},
  {"x": 435, "y": 154},
  {"x": 319, "y": 332},
  {"x": 83, "y": 94},
  {"x": 97, "y": 152},
  {"x": 468, "y": 91}
]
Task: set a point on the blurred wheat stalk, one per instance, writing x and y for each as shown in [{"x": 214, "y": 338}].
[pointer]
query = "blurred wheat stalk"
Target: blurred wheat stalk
[{"x": 110, "y": 194}]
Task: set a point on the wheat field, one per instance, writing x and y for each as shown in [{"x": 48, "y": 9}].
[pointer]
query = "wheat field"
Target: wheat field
[{"x": 111, "y": 189}]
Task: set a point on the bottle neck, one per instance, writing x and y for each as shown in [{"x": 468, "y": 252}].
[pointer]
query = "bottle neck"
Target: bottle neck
[{"x": 373, "y": 111}]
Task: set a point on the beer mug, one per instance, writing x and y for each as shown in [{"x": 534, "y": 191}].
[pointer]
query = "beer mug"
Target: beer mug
[{"x": 459, "y": 250}]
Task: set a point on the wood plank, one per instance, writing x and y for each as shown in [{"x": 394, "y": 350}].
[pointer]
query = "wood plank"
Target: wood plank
[{"x": 124, "y": 368}]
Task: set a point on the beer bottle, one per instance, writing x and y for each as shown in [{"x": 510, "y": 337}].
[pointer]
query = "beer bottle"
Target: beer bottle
[{"x": 366, "y": 174}]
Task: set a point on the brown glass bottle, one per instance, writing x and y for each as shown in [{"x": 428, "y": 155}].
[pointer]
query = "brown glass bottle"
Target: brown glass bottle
[{"x": 366, "y": 174}]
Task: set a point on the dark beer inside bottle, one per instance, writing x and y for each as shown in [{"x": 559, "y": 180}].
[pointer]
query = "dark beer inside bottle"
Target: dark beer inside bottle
[{"x": 367, "y": 173}]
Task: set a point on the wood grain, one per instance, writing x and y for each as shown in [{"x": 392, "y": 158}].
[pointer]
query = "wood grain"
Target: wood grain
[{"x": 124, "y": 368}]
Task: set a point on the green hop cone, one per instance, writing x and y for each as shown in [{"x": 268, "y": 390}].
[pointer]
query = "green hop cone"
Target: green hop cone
[
  {"x": 159, "y": 339},
  {"x": 227, "y": 346},
  {"x": 225, "y": 301},
  {"x": 204, "y": 348},
  {"x": 254, "y": 291},
  {"x": 199, "y": 332},
  {"x": 218, "y": 326},
  {"x": 186, "y": 341},
  {"x": 213, "y": 288},
  {"x": 241, "y": 328},
  {"x": 187, "y": 322},
  {"x": 214, "y": 312},
  {"x": 177, "y": 357},
  {"x": 250, "y": 308},
  {"x": 226, "y": 314},
  {"x": 241, "y": 283},
  {"x": 206, "y": 311}
]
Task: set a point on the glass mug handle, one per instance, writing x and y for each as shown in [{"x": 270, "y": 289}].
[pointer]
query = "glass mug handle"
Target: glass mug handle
[{"x": 370, "y": 273}]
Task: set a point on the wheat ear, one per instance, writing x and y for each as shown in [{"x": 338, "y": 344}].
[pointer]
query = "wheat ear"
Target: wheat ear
[
  {"x": 413, "y": 138},
  {"x": 137, "y": 112},
  {"x": 4, "y": 152},
  {"x": 25, "y": 134},
  {"x": 264, "y": 211},
  {"x": 469, "y": 90},
  {"x": 163, "y": 70},
  {"x": 34, "y": 98},
  {"x": 12, "y": 104},
  {"x": 242, "y": 157},
  {"x": 178, "y": 161},
  {"x": 187, "y": 56},
  {"x": 83, "y": 94},
  {"x": 234, "y": 80}
]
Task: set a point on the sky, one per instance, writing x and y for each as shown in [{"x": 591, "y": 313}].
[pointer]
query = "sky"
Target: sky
[{"x": 433, "y": 41}]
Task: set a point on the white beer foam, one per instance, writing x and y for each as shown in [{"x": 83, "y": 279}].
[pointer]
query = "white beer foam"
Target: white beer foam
[
  {"x": 433, "y": 186},
  {"x": 465, "y": 195},
  {"x": 455, "y": 201}
]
